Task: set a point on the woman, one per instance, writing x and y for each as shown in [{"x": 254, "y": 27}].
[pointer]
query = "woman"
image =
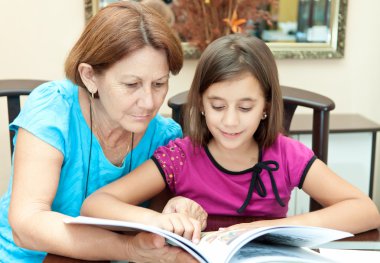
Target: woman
[{"x": 76, "y": 135}]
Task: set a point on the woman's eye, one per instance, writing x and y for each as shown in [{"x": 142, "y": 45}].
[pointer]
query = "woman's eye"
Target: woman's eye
[
  {"x": 159, "y": 84},
  {"x": 132, "y": 85}
]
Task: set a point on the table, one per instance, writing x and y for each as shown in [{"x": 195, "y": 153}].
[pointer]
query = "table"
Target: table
[
  {"x": 340, "y": 126},
  {"x": 367, "y": 240}
]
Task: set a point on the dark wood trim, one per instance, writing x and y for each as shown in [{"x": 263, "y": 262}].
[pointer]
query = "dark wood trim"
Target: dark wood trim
[{"x": 338, "y": 123}]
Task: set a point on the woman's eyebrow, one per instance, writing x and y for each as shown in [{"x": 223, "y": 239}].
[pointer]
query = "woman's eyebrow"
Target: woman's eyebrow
[{"x": 167, "y": 76}]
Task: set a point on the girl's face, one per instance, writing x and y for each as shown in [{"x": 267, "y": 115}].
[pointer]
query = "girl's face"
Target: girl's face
[
  {"x": 233, "y": 110},
  {"x": 133, "y": 89}
]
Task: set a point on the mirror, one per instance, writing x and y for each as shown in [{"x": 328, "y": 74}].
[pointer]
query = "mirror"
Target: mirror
[{"x": 293, "y": 29}]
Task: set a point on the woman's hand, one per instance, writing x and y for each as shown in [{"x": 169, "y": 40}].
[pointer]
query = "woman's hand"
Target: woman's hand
[
  {"x": 148, "y": 247},
  {"x": 186, "y": 206},
  {"x": 179, "y": 224}
]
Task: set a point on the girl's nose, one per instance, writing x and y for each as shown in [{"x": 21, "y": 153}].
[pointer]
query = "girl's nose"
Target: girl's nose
[{"x": 230, "y": 117}]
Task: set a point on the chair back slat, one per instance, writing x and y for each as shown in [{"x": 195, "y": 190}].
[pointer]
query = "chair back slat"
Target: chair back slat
[{"x": 13, "y": 89}]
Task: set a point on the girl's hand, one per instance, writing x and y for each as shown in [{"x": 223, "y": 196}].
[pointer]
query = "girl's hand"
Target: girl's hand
[
  {"x": 180, "y": 224},
  {"x": 186, "y": 206},
  {"x": 148, "y": 247}
]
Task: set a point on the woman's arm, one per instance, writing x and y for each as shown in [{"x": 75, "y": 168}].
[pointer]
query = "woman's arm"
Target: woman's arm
[
  {"x": 36, "y": 175},
  {"x": 345, "y": 207}
]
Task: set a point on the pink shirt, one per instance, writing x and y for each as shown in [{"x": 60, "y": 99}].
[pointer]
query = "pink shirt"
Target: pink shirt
[{"x": 193, "y": 173}]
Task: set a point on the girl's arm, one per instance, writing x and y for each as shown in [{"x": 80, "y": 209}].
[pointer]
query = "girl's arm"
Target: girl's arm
[
  {"x": 345, "y": 207},
  {"x": 119, "y": 200},
  {"x": 36, "y": 175}
]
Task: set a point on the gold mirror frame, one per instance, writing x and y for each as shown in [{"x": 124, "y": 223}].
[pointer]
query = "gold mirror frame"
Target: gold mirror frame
[{"x": 334, "y": 49}]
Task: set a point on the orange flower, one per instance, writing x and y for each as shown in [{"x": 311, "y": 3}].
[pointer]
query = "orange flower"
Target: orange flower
[{"x": 235, "y": 23}]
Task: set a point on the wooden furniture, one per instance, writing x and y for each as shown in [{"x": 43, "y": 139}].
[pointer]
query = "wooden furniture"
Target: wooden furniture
[
  {"x": 352, "y": 152},
  {"x": 293, "y": 97},
  {"x": 13, "y": 89}
]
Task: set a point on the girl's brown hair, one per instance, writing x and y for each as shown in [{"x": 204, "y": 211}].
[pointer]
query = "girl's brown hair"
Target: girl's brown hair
[
  {"x": 226, "y": 58},
  {"x": 116, "y": 31}
]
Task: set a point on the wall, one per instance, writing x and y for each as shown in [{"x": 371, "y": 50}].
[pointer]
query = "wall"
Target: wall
[{"x": 36, "y": 36}]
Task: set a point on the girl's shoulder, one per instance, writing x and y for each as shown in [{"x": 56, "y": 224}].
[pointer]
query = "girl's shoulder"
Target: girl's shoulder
[
  {"x": 183, "y": 146},
  {"x": 288, "y": 146}
]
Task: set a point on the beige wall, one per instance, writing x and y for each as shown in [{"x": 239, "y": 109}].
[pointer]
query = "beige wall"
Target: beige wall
[{"x": 36, "y": 36}]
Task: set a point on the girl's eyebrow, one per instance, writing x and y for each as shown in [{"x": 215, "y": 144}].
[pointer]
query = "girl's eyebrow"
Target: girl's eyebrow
[{"x": 242, "y": 99}]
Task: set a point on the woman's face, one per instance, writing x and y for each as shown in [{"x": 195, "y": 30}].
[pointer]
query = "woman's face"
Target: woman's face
[
  {"x": 233, "y": 110},
  {"x": 133, "y": 89}
]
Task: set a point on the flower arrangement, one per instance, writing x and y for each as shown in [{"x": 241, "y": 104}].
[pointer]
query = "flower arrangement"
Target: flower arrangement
[{"x": 199, "y": 22}]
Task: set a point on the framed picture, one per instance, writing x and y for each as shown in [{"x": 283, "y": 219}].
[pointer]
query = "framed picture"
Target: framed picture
[{"x": 298, "y": 29}]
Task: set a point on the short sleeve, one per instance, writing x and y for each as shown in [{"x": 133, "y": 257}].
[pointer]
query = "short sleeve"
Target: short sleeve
[
  {"x": 297, "y": 158},
  {"x": 45, "y": 114},
  {"x": 170, "y": 160}
]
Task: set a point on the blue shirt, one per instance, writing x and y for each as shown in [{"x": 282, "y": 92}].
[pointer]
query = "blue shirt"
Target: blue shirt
[{"x": 53, "y": 114}]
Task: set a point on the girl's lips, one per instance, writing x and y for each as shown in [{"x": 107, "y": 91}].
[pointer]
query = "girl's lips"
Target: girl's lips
[{"x": 231, "y": 134}]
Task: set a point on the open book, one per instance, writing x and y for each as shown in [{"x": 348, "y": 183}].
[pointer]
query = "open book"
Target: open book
[{"x": 264, "y": 244}]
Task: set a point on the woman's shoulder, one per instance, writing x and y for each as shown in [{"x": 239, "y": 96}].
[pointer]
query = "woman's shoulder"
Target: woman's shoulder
[
  {"x": 59, "y": 89},
  {"x": 160, "y": 131},
  {"x": 51, "y": 100},
  {"x": 165, "y": 127},
  {"x": 47, "y": 112}
]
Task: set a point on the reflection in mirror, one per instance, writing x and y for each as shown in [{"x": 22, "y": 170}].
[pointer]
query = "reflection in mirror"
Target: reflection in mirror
[{"x": 292, "y": 28}]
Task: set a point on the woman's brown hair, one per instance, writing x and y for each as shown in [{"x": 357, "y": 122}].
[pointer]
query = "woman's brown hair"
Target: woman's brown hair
[
  {"x": 227, "y": 58},
  {"x": 117, "y": 30}
]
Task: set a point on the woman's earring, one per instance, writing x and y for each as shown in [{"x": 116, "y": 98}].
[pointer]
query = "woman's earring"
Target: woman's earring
[
  {"x": 92, "y": 95},
  {"x": 265, "y": 115},
  {"x": 203, "y": 113}
]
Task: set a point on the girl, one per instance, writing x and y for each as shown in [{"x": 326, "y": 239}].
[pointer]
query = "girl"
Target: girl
[{"x": 235, "y": 160}]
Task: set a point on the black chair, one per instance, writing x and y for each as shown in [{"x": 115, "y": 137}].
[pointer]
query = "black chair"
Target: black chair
[
  {"x": 13, "y": 89},
  {"x": 293, "y": 98}
]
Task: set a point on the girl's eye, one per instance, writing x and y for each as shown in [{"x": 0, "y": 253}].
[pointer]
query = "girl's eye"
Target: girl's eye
[
  {"x": 218, "y": 108},
  {"x": 245, "y": 109}
]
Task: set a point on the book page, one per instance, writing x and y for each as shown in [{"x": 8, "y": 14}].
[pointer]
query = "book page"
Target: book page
[
  {"x": 224, "y": 244},
  {"x": 221, "y": 246},
  {"x": 276, "y": 253},
  {"x": 124, "y": 226}
]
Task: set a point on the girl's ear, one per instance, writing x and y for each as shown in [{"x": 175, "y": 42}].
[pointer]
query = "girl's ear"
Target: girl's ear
[
  {"x": 201, "y": 106},
  {"x": 87, "y": 75}
]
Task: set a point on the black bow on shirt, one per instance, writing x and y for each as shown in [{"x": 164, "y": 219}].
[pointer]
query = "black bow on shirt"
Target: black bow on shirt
[{"x": 258, "y": 185}]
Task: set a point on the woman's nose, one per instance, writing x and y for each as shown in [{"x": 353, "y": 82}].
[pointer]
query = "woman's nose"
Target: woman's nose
[{"x": 146, "y": 98}]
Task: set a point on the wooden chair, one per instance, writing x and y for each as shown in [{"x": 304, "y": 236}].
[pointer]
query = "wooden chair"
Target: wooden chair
[
  {"x": 293, "y": 97},
  {"x": 13, "y": 89}
]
